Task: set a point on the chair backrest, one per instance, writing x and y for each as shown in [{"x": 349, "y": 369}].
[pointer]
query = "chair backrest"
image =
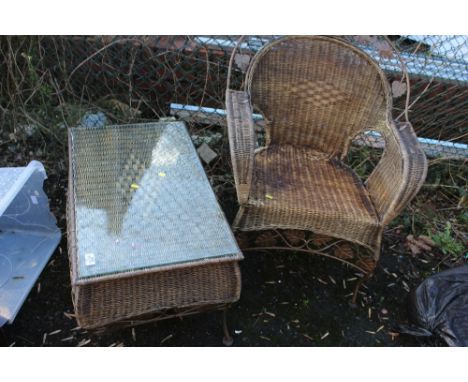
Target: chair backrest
[{"x": 318, "y": 92}]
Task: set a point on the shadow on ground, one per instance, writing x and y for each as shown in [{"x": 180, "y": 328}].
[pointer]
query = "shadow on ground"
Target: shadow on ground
[{"x": 287, "y": 300}]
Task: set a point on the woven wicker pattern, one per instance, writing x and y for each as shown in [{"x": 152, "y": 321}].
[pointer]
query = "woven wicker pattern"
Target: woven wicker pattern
[
  {"x": 145, "y": 230},
  {"x": 242, "y": 132},
  {"x": 110, "y": 301},
  {"x": 329, "y": 93},
  {"x": 317, "y": 94},
  {"x": 321, "y": 192},
  {"x": 143, "y": 201}
]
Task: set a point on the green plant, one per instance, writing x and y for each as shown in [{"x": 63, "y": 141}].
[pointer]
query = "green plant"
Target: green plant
[
  {"x": 363, "y": 160},
  {"x": 446, "y": 242}
]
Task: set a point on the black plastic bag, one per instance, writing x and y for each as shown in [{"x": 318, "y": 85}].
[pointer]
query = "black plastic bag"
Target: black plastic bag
[{"x": 439, "y": 306}]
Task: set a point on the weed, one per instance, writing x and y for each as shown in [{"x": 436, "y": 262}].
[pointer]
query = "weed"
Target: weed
[{"x": 446, "y": 242}]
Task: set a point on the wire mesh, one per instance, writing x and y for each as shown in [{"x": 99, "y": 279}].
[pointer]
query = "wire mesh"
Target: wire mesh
[{"x": 139, "y": 78}]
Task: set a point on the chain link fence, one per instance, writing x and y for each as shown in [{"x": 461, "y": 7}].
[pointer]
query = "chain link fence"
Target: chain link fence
[{"x": 150, "y": 77}]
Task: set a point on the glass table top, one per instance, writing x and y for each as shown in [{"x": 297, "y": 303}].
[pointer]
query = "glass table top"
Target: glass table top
[{"x": 142, "y": 200}]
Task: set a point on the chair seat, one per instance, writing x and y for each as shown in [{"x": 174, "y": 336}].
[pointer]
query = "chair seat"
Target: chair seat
[{"x": 296, "y": 187}]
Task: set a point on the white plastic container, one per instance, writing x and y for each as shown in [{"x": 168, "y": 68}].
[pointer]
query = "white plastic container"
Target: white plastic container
[{"x": 28, "y": 235}]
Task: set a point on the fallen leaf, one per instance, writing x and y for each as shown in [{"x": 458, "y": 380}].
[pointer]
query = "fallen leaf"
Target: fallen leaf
[
  {"x": 242, "y": 61},
  {"x": 419, "y": 244},
  {"x": 384, "y": 48},
  {"x": 295, "y": 237},
  {"x": 344, "y": 251},
  {"x": 206, "y": 153},
  {"x": 398, "y": 89},
  {"x": 367, "y": 263},
  {"x": 320, "y": 240},
  {"x": 427, "y": 240}
]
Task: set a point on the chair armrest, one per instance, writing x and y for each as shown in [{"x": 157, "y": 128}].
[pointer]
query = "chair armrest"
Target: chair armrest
[
  {"x": 241, "y": 134},
  {"x": 400, "y": 173}
]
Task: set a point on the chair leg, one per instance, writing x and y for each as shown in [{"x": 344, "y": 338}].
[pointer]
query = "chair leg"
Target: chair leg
[{"x": 227, "y": 339}]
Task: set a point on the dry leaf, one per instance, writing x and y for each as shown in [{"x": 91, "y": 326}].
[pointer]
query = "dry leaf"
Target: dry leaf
[
  {"x": 384, "y": 48},
  {"x": 206, "y": 153},
  {"x": 242, "y": 61},
  {"x": 295, "y": 237},
  {"x": 367, "y": 263},
  {"x": 427, "y": 240},
  {"x": 344, "y": 251},
  {"x": 321, "y": 240},
  {"x": 398, "y": 89},
  {"x": 419, "y": 244}
]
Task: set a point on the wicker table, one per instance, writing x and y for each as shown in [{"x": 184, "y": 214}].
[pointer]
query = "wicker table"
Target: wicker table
[{"x": 147, "y": 238}]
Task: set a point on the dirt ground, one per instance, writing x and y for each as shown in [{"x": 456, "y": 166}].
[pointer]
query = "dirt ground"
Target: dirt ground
[{"x": 287, "y": 299}]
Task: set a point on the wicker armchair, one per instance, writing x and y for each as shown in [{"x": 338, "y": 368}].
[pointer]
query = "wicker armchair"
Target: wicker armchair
[{"x": 316, "y": 94}]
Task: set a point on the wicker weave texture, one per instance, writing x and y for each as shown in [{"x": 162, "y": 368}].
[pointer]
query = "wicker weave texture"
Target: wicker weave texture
[
  {"x": 111, "y": 301},
  {"x": 145, "y": 230},
  {"x": 316, "y": 95},
  {"x": 142, "y": 200},
  {"x": 321, "y": 193}
]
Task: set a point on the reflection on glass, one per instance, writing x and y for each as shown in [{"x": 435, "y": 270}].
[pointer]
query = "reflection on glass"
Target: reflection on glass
[{"x": 142, "y": 200}]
